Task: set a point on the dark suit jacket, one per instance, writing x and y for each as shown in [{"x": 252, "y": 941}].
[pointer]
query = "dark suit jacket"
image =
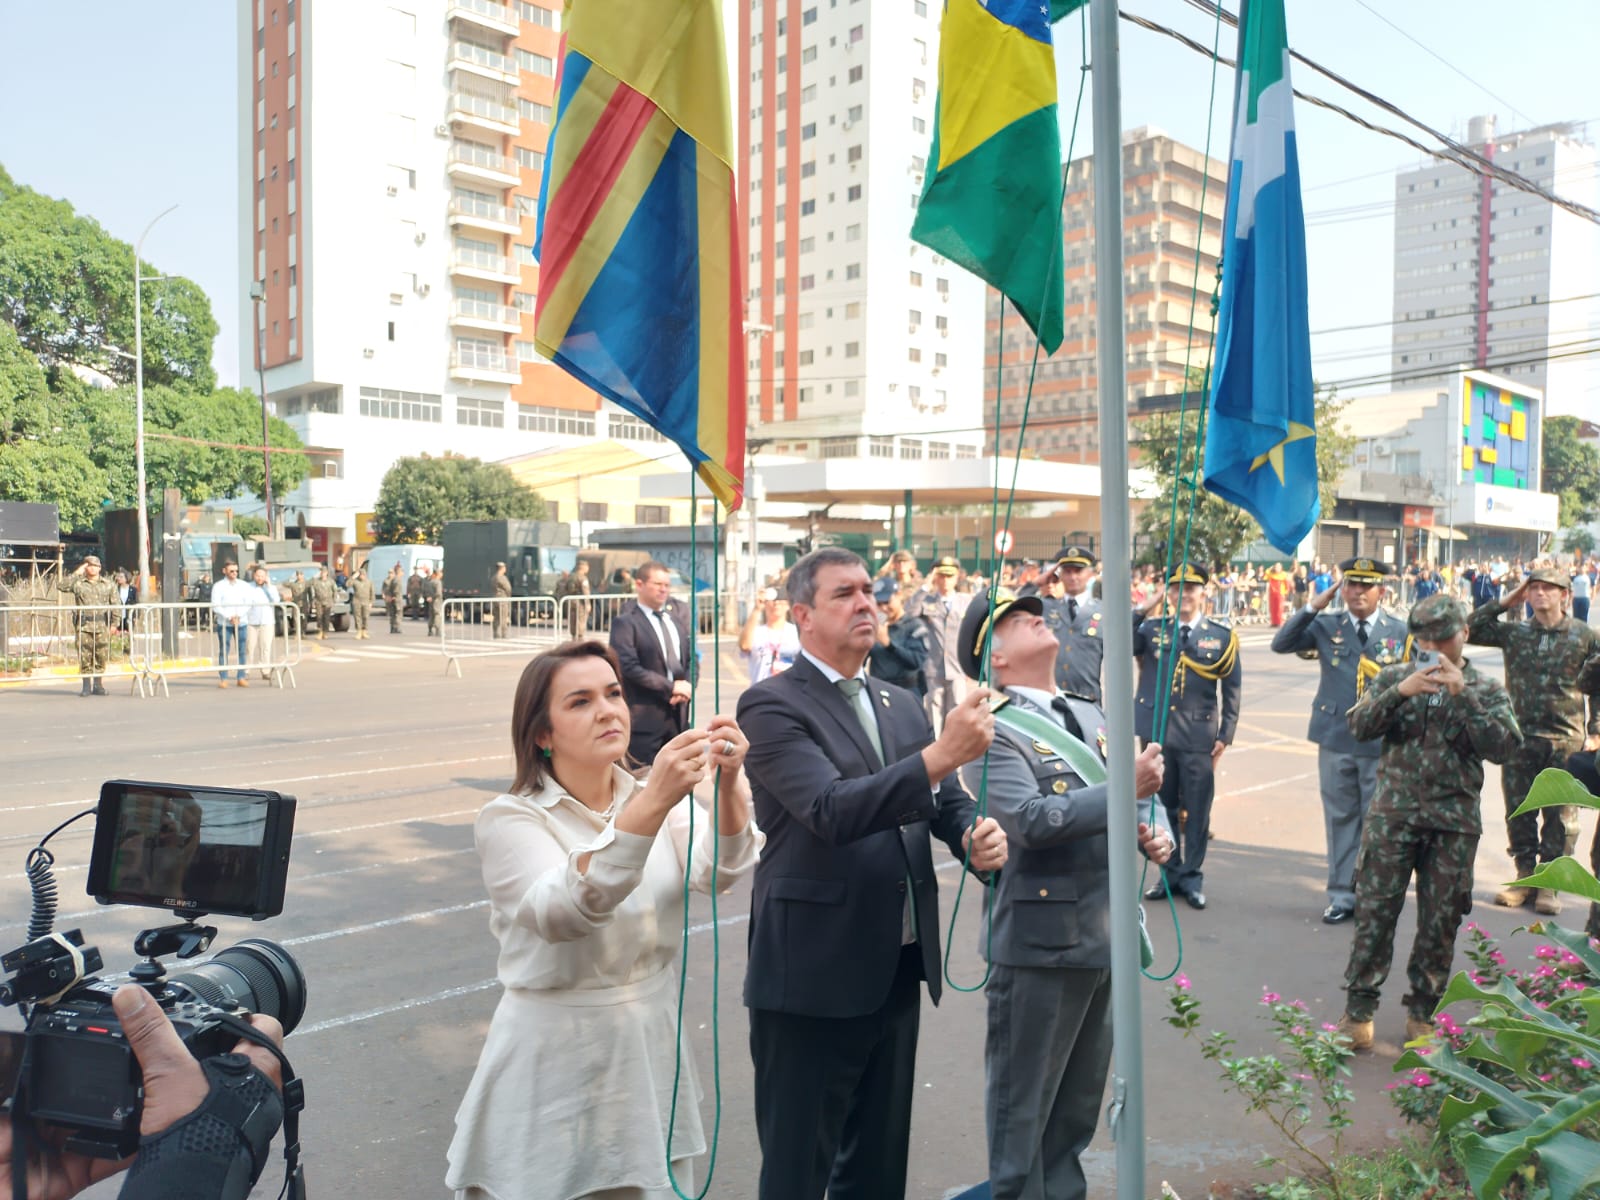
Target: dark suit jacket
[
  {"x": 646, "y": 683},
  {"x": 1200, "y": 712},
  {"x": 842, "y": 835}
]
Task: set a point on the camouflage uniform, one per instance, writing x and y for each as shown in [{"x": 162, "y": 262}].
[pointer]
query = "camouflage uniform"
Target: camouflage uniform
[
  {"x": 361, "y": 602},
  {"x": 1424, "y": 819},
  {"x": 300, "y": 593},
  {"x": 99, "y": 596},
  {"x": 501, "y": 585},
  {"x": 393, "y": 598},
  {"x": 433, "y": 601},
  {"x": 1542, "y": 665},
  {"x": 323, "y": 596}
]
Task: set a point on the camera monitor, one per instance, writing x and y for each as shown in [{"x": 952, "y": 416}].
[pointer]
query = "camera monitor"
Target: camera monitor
[{"x": 192, "y": 850}]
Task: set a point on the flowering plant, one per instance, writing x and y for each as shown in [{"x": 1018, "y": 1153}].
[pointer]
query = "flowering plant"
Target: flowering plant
[
  {"x": 1289, "y": 1091},
  {"x": 1517, "y": 1078}
]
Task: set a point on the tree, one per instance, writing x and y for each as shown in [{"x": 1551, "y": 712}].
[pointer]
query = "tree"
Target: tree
[
  {"x": 1571, "y": 470},
  {"x": 66, "y": 287},
  {"x": 418, "y": 495},
  {"x": 249, "y": 526},
  {"x": 1218, "y": 530},
  {"x": 1579, "y": 541},
  {"x": 59, "y": 474}
]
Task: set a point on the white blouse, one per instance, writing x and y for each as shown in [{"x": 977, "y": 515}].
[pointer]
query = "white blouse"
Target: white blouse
[{"x": 619, "y": 923}]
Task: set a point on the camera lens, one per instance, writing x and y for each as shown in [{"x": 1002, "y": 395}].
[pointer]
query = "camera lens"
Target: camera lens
[{"x": 256, "y": 975}]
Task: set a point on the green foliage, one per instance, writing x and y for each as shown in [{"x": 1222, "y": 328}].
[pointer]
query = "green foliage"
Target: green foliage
[
  {"x": 1571, "y": 470},
  {"x": 62, "y": 475},
  {"x": 1579, "y": 540},
  {"x": 66, "y": 287},
  {"x": 418, "y": 495},
  {"x": 1515, "y": 1084},
  {"x": 250, "y": 526}
]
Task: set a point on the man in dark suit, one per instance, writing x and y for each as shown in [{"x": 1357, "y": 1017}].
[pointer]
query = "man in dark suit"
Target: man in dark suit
[
  {"x": 848, "y": 784},
  {"x": 651, "y": 638},
  {"x": 1049, "y": 993},
  {"x": 1201, "y": 657},
  {"x": 1352, "y": 647}
]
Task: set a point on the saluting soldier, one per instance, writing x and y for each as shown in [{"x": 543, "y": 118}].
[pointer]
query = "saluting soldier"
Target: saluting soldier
[
  {"x": 1075, "y": 617},
  {"x": 1352, "y": 647},
  {"x": 97, "y": 597},
  {"x": 393, "y": 596},
  {"x": 1201, "y": 655},
  {"x": 1543, "y": 658},
  {"x": 501, "y": 584},
  {"x": 322, "y": 596},
  {"x": 361, "y": 601},
  {"x": 433, "y": 600}
]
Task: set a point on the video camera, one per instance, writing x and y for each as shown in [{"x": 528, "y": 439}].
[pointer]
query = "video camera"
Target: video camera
[{"x": 190, "y": 851}]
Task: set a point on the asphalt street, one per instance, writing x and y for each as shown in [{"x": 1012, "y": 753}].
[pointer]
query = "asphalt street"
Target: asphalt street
[{"x": 391, "y": 758}]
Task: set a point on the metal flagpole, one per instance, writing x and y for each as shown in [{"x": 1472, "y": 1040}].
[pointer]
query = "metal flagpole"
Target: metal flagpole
[{"x": 1126, "y": 1114}]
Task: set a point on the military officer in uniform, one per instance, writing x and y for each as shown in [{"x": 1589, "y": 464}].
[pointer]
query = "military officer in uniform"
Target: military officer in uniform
[
  {"x": 1049, "y": 992},
  {"x": 433, "y": 601},
  {"x": 1201, "y": 656},
  {"x": 300, "y": 593},
  {"x": 97, "y": 596},
  {"x": 501, "y": 585},
  {"x": 361, "y": 601},
  {"x": 394, "y": 586},
  {"x": 323, "y": 596},
  {"x": 1352, "y": 646},
  {"x": 942, "y": 607},
  {"x": 1074, "y": 616},
  {"x": 1543, "y": 658}
]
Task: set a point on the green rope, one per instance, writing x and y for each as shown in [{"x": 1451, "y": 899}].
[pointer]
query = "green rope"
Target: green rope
[
  {"x": 688, "y": 854},
  {"x": 996, "y": 558}
]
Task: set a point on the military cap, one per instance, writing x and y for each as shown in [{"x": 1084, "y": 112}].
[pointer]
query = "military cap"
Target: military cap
[
  {"x": 1436, "y": 618},
  {"x": 1362, "y": 570},
  {"x": 1074, "y": 556},
  {"x": 91, "y": 558},
  {"x": 883, "y": 589},
  {"x": 947, "y": 566},
  {"x": 1189, "y": 573},
  {"x": 1554, "y": 576},
  {"x": 978, "y": 622}
]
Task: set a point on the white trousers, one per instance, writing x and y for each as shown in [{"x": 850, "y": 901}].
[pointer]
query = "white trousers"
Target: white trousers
[{"x": 258, "y": 648}]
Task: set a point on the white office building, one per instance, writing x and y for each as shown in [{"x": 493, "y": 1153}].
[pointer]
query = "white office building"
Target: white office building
[
  {"x": 862, "y": 343},
  {"x": 1490, "y": 276}
]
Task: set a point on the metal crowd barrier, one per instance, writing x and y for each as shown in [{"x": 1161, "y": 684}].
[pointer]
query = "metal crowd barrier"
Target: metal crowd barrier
[
  {"x": 39, "y": 643},
  {"x": 481, "y": 628},
  {"x": 179, "y": 639},
  {"x": 591, "y": 616}
]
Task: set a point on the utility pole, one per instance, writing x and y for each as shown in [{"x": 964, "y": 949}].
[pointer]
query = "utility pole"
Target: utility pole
[
  {"x": 138, "y": 404},
  {"x": 258, "y": 294}
]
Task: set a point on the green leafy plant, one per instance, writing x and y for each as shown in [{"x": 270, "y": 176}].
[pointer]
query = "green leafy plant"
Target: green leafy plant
[
  {"x": 1304, "y": 1090},
  {"x": 1518, "y": 1091}
]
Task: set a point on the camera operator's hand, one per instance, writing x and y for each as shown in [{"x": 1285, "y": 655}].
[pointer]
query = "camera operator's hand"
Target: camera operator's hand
[{"x": 174, "y": 1087}]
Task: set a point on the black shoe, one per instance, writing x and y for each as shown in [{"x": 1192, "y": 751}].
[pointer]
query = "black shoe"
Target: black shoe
[
  {"x": 1195, "y": 899},
  {"x": 1159, "y": 892},
  {"x": 99, "y": 688},
  {"x": 1334, "y": 915},
  {"x": 86, "y": 686}
]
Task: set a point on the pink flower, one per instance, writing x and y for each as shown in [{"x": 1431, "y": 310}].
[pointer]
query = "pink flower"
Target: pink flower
[
  {"x": 1182, "y": 983},
  {"x": 1569, "y": 959},
  {"x": 1583, "y": 1064},
  {"x": 1544, "y": 971},
  {"x": 1546, "y": 1078},
  {"x": 1389, "y": 1087},
  {"x": 1476, "y": 978},
  {"x": 1547, "y": 952},
  {"x": 1300, "y": 1004},
  {"x": 1269, "y": 997},
  {"x": 1421, "y": 1079},
  {"x": 1472, "y": 927},
  {"x": 1497, "y": 957},
  {"x": 1329, "y": 1027}
]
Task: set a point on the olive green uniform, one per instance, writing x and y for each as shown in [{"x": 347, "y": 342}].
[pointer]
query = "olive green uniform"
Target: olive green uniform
[
  {"x": 361, "y": 603},
  {"x": 1424, "y": 819},
  {"x": 323, "y": 596},
  {"x": 1542, "y": 667},
  {"x": 502, "y": 604},
  {"x": 433, "y": 601},
  {"x": 300, "y": 593},
  {"x": 393, "y": 591},
  {"x": 99, "y": 598}
]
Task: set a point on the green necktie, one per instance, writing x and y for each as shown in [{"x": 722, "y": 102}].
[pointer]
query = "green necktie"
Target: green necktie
[{"x": 852, "y": 689}]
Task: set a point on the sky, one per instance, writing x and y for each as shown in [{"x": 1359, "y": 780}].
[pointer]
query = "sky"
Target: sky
[{"x": 137, "y": 110}]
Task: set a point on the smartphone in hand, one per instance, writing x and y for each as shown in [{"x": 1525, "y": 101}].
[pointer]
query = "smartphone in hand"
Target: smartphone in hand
[{"x": 1426, "y": 660}]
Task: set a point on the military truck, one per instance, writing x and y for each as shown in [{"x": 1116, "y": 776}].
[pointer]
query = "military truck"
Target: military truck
[
  {"x": 201, "y": 552},
  {"x": 536, "y": 553}
]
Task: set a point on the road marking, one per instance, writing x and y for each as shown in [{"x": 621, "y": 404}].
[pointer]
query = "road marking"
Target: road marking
[
  {"x": 440, "y": 762},
  {"x": 386, "y": 923},
  {"x": 1275, "y": 783}
]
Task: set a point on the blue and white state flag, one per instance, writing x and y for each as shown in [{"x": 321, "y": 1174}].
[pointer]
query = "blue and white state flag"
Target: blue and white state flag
[{"x": 1261, "y": 444}]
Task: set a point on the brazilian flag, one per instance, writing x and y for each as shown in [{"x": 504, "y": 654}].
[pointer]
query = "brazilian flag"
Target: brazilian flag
[{"x": 993, "y": 190}]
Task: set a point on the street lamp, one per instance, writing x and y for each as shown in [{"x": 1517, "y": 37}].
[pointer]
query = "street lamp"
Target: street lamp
[
  {"x": 139, "y": 279},
  {"x": 754, "y": 331},
  {"x": 258, "y": 294}
]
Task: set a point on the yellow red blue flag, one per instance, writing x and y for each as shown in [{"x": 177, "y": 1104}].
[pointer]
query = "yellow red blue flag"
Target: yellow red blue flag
[{"x": 639, "y": 283}]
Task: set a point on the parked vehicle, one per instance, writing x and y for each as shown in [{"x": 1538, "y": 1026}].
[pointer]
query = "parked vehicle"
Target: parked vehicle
[
  {"x": 380, "y": 561},
  {"x": 536, "y": 553}
]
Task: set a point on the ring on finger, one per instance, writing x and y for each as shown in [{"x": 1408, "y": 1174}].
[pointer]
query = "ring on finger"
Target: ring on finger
[{"x": 727, "y": 747}]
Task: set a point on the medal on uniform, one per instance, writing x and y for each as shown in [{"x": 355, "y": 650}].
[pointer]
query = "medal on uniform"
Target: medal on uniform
[{"x": 1059, "y": 787}]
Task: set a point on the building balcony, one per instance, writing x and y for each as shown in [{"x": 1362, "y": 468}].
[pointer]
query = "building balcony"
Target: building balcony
[
  {"x": 479, "y": 214},
  {"x": 483, "y": 113},
  {"x": 480, "y": 314},
  {"x": 483, "y": 62},
  {"x": 484, "y": 366},
  {"x": 469, "y": 160},
  {"x": 481, "y": 264},
  {"x": 1386, "y": 487},
  {"x": 485, "y": 14}
]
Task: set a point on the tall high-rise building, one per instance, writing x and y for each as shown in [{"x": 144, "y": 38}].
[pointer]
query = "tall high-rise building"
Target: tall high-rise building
[
  {"x": 1487, "y": 275},
  {"x": 1162, "y": 229},
  {"x": 862, "y": 343},
  {"x": 391, "y": 154}
]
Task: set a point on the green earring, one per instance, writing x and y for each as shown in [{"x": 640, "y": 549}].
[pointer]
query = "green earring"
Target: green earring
[{"x": 545, "y": 750}]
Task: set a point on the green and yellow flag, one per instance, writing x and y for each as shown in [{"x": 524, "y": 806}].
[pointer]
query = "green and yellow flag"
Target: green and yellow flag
[{"x": 993, "y": 191}]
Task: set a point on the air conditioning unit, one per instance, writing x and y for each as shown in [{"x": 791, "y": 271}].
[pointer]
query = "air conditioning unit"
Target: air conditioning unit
[
  {"x": 945, "y": 332},
  {"x": 911, "y": 328},
  {"x": 1383, "y": 449},
  {"x": 422, "y": 289},
  {"x": 396, "y": 298},
  {"x": 848, "y": 125},
  {"x": 936, "y": 370},
  {"x": 421, "y": 237},
  {"x": 442, "y": 129},
  {"x": 392, "y": 190},
  {"x": 368, "y": 352}
]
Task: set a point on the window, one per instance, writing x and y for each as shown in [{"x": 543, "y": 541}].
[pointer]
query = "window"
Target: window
[
  {"x": 916, "y": 279},
  {"x": 524, "y": 301},
  {"x": 852, "y": 387},
  {"x": 880, "y": 447},
  {"x": 855, "y": 75},
  {"x": 325, "y": 400},
  {"x": 523, "y": 252},
  {"x": 852, "y": 310},
  {"x": 529, "y": 110},
  {"x": 852, "y": 349},
  {"x": 528, "y": 352},
  {"x": 853, "y": 154},
  {"x": 808, "y": 93},
  {"x": 941, "y": 360},
  {"x": 537, "y": 64},
  {"x": 532, "y": 160},
  {"x": 651, "y": 514},
  {"x": 807, "y": 169},
  {"x": 857, "y": 32},
  {"x": 489, "y": 414},
  {"x": 807, "y": 207},
  {"x": 808, "y": 131},
  {"x": 854, "y": 114},
  {"x": 400, "y": 406},
  {"x": 852, "y": 233},
  {"x": 942, "y": 324},
  {"x": 854, "y": 193},
  {"x": 629, "y": 428},
  {"x": 806, "y": 357},
  {"x": 533, "y": 418},
  {"x": 808, "y": 55},
  {"x": 837, "y": 447},
  {"x": 914, "y": 354},
  {"x": 809, "y": 17},
  {"x": 961, "y": 451},
  {"x": 594, "y": 510},
  {"x": 807, "y": 245},
  {"x": 391, "y": 331},
  {"x": 852, "y": 271},
  {"x": 535, "y": 15},
  {"x": 807, "y": 282},
  {"x": 943, "y": 286},
  {"x": 918, "y": 125},
  {"x": 912, "y": 447},
  {"x": 920, "y": 8},
  {"x": 939, "y": 450},
  {"x": 526, "y": 206}
]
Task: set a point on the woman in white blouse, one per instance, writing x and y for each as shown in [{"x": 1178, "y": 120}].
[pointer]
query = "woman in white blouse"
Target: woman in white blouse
[{"x": 585, "y": 868}]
